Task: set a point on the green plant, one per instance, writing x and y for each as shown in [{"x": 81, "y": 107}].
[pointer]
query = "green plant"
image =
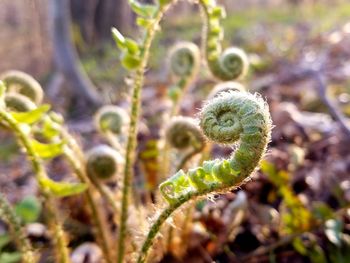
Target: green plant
[
  {"x": 5, "y": 256},
  {"x": 185, "y": 135},
  {"x": 17, "y": 232},
  {"x": 22, "y": 83},
  {"x": 184, "y": 61},
  {"x": 28, "y": 209},
  {"x": 102, "y": 163},
  {"x": 230, "y": 115}
]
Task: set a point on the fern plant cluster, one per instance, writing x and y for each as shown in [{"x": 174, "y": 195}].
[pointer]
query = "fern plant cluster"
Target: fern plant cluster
[{"x": 229, "y": 115}]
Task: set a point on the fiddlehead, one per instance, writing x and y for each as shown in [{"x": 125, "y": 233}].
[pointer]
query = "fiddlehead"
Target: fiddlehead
[
  {"x": 230, "y": 117},
  {"x": 22, "y": 83},
  {"x": 184, "y": 59},
  {"x": 17, "y": 102},
  {"x": 184, "y": 134},
  {"x": 216, "y": 91},
  {"x": 135, "y": 58},
  {"x": 72, "y": 151},
  {"x": 103, "y": 163},
  {"x": 21, "y": 124},
  {"x": 112, "y": 122},
  {"x": 184, "y": 62},
  {"x": 111, "y": 118},
  {"x": 225, "y": 65}
]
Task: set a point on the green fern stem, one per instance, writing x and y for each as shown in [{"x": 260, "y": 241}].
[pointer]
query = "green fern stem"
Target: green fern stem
[
  {"x": 135, "y": 113},
  {"x": 55, "y": 225},
  {"x": 166, "y": 213},
  {"x": 229, "y": 64},
  {"x": 40, "y": 173},
  {"x": 184, "y": 60},
  {"x": 96, "y": 213},
  {"x": 17, "y": 232},
  {"x": 229, "y": 117}
]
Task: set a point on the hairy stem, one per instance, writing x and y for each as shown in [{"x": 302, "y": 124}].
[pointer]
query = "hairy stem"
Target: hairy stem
[
  {"x": 153, "y": 231},
  {"x": 55, "y": 225},
  {"x": 17, "y": 232},
  {"x": 183, "y": 85},
  {"x": 97, "y": 217},
  {"x": 228, "y": 64},
  {"x": 131, "y": 143}
]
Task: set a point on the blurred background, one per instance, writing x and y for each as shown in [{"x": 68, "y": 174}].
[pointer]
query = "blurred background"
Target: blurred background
[
  {"x": 300, "y": 62},
  {"x": 276, "y": 33}
]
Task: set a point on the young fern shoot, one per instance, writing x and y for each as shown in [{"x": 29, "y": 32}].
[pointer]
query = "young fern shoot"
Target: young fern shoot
[
  {"x": 14, "y": 121},
  {"x": 21, "y": 83},
  {"x": 226, "y": 65},
  {"x": 217, "y": 90},
  {"x": 184, "y": 61},
  {"x": 185, "y": 135},
  {"x": 112, "y": 122},
  {"x": 103, "y": 163},
  {"x": 232, "y": 116},
  {"x": 135, "y": 58}
]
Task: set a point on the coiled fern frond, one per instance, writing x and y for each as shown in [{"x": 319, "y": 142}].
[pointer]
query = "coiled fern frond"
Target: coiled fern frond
[
  {"x": 230, "y": 117},
  {"x": 229, "y": 64},
  {"x": 184, "y": 59},
  {"x": 111, "y": 118},
  {"x": 22, "y": 83},
  {"x": 183, "y": 132},
  {"x": 103, "y": 162}
]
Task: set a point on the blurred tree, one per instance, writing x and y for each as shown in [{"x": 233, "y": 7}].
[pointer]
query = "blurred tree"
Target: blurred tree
[
  {"x": 96, "y": 17},
  {"x": 65, "y": 55}
]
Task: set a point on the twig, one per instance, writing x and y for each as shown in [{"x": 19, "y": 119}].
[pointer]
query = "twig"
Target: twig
[{"x": 321, "y": 85}]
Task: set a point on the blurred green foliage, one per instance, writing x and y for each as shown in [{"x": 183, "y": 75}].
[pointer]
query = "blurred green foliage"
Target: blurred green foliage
[
  {"x": 28, "y": 209},
  {"x": 102, "y": 64},
  {"x": 302, "y": 222},
  {"x": 5, "y": 256}
]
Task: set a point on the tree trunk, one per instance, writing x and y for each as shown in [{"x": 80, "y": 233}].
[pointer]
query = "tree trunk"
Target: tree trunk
[
  {"x": 83, "y": 14},
  {"x": 65, "y": 55},
  {"x": 96, "y": 17}
]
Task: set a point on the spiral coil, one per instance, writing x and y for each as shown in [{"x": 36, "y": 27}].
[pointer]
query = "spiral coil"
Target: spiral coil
[
  {"x": 231, "y": 116},
  {"x": 24, "y": 84},
  {"x": 103, "y": 162}
]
